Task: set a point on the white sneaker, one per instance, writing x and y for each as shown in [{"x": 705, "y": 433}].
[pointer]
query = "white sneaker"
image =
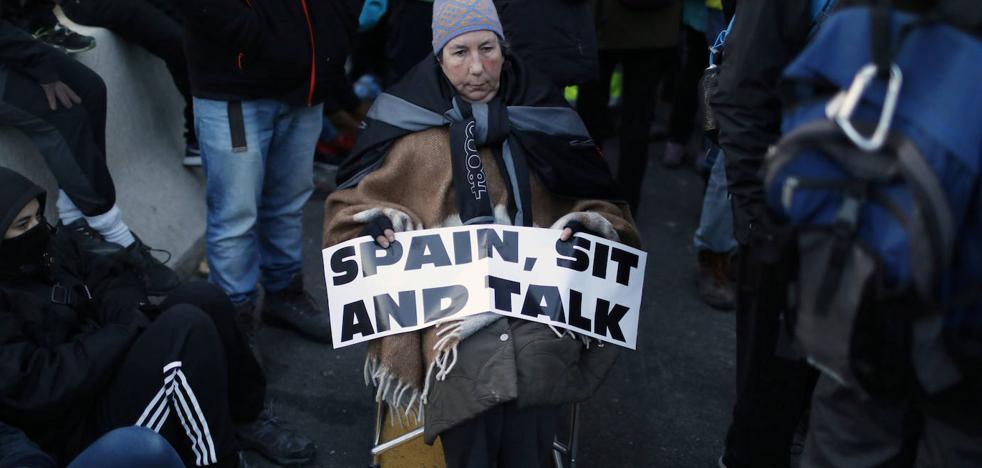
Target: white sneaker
[{"x": 192, "y": 156}]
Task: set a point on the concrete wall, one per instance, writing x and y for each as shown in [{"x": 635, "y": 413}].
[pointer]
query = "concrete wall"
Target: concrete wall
[{"x": 162, "y": 201}]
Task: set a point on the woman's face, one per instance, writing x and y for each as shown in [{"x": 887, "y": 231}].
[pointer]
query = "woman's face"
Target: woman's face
[
  {"x": 472, "y": 62},
  {"x": 27, "y": 218}
]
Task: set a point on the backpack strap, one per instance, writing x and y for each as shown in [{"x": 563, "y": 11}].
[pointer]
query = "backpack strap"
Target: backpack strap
[
  {"x": 931, "y": 225},
  {"x": 71, "y": 296},
  {"x": 933, "y": 241},
  {"x": 880, "y": 33}
]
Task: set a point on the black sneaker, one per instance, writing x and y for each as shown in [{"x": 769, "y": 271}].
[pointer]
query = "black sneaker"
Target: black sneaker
[
  {"x": 271, "y": 438},
  {"x": 159, "y": 279},
  {"x": 65, "y": 39},
  {"x": 295, "y": 308}
]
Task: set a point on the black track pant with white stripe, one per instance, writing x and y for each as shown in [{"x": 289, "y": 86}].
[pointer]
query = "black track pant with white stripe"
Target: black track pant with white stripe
[{"x": 174, "y": 381}]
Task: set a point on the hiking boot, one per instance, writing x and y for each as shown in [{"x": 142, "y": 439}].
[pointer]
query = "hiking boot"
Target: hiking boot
[
  {"x": 295, "y": 308},
  {"x": 273, "y": 440},
  {"x": 246, "y": 318},
  {"x": 674, "y": 154},
  {"x": 158, "y": 278},
  {"x": 65, "y": 39},
  {"x": 713, "y": 282}
]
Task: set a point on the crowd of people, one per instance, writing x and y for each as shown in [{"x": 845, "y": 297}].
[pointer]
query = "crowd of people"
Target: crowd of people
[{"x": 860, "y": 329}]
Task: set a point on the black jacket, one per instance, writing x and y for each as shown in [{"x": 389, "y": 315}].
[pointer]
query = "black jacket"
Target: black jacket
[
  {"x": 555, "y": 36},
  {"x": 55, "y": 357},
  {"x": 21, "y": 52},
  {"x": 17, "y": 451},
  {"x": 766, "y": 36},
  {"x": 291, "y": 50}
]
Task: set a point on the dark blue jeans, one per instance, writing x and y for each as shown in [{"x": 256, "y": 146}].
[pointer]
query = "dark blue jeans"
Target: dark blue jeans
[{"x": 128, "y": 447}]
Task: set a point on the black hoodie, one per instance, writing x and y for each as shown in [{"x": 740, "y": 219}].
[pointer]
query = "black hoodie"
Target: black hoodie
[
  {"x": 290, "y": 50},
  {"x": 56, "y": 356}
]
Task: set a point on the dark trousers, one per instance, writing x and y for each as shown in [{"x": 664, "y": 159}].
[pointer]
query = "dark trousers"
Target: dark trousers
[
  {"x": 642, "y": 69},
  {"x": 72, "y": 141},
  {"x": 847, "y": 431},
  {"x": 773, "y": 387},
  {"x": 151, "y": 24},
  {"x": 246, "y": 378},
  {"x": 504, "y": 436},
  {"x": 686, "y": 101},
  {"x": 188, "y": 376}
]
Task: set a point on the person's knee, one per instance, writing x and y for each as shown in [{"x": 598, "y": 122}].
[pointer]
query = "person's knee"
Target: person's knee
[
  {"x": 187, "y": 316},
  {"x": 137, "y": 446}
]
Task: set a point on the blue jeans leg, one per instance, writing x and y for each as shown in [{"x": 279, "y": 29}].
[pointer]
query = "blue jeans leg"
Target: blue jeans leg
[
  {"x": 129, "y": 447},
  {"x": 288, "y": 185},
  {"x": 233, "y": 190},
  {"x": 715, "y": 232}
]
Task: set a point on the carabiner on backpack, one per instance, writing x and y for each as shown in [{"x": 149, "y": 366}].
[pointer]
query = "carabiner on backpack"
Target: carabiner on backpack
[{"x": 842, "y": 106}]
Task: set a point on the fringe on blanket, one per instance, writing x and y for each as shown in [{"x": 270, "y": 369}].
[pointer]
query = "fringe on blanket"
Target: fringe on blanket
[{"x": 403, "y": 400}]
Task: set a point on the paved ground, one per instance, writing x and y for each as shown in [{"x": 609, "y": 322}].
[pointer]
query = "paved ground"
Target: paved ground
[{"x": 665, "y": 405}]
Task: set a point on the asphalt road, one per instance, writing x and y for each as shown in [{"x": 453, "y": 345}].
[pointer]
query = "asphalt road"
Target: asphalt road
[{"x": 665, "y": 405}]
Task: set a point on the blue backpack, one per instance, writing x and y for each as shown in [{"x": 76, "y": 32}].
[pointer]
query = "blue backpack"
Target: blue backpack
[{"x": 879, "y": 172}]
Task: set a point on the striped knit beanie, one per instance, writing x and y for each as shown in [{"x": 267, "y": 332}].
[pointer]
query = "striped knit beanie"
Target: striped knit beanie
[{"x": 451, "y": 18}]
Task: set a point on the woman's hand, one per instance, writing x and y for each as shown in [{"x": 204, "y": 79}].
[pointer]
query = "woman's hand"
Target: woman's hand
[
  {"x": 382, "y": 224},
  {"x": 586, "y": 222}
]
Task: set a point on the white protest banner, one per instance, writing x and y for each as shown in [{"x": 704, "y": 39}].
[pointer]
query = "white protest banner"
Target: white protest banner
[{"x": 588, "y": 285}]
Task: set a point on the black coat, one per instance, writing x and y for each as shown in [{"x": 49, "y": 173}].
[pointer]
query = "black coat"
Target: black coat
[
  {"x": 17, "y": 451},
  {"x": 766, "y": 36},
  {"x": 55, "y": 357},
  {"x": 557, "y": 37},
  {"x": 292, "y": 50}
]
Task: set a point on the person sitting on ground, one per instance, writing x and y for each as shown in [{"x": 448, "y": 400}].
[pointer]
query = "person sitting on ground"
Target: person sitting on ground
[
  {"x": 61, "y": 105},
  {"x": 541, "y": 169},
  {"x": 125, "y": 447},
  {"x": 79, "y": 356}
]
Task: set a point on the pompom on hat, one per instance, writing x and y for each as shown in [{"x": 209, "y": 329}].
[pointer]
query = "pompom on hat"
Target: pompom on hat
[{"x": 452, "y": 18}]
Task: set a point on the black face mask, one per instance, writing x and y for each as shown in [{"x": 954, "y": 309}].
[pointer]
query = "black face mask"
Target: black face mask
[{"x": 26, "y": 254}]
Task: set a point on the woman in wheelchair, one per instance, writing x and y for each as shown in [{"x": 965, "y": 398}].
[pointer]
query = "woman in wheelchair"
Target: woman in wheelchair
[{"x": 473, "y": 136}]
